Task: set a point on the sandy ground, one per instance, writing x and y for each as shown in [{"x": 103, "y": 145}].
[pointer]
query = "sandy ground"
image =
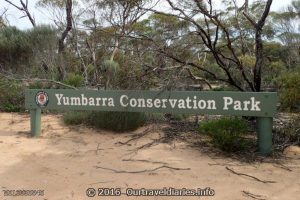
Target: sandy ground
[{"x": 65, "y": 161}]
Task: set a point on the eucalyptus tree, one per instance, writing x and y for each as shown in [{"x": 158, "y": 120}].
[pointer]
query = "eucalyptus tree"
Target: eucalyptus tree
[
  {"x": 287, "y": 27},
  {"x": 110, "y": 36},
  {"x": 66, "y": 27},
  {"x": 223, "y": 39}
]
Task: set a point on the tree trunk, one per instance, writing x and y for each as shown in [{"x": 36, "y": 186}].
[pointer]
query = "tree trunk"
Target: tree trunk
[
  {"x": 61, "y": 46},
  {"x": 259, "y": 60},
  {"x": 258, "y": 43}
]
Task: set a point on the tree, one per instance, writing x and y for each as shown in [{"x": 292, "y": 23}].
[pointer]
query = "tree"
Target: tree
[
  {"x": 286, "y": 25},
  {"x": 24, "y": 9},
  {"x": 68, "y": 4},
  {"x": 122, "y": 15},
  {"x": 220, "y": 38}
]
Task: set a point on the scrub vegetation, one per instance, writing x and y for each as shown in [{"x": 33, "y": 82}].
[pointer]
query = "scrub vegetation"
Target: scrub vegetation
[
  {"x": 227, "y": 133},
  {"x": 115, "y": 121},
  {"x": 137, "y": 45}
]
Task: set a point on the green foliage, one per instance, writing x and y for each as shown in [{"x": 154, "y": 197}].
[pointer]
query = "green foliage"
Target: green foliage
[
  {"x": 286, "y": 133},
  {"x": 14, "y": 44},
  {"x": 215, "y": 69},
  {"x": 20, "y": 50},
  {"x": 156, "y": 117},
  {"x": 167, "y": 22},
  {"x": 289, "y": 87},
  {"x": 110, "y": 66},
  {"x": 179, "y": 117},
  {"x": 75, "y": 117},
  {"x": 42, "y": 85},
  {"x": 226, "y": 133},
  {"x": 51, "y": 3},
  {"x": 11, "y": 96},
  {"x": 117, "y": 121},
  {"x": 273, "y": 70},
  {"x": 42, "y": 38},
  {"x": 110, "y": 71},
  {"x": 114, "y": 121},
  {"x": 74, "y": 80},
  {"x": 248, "y": 61}
]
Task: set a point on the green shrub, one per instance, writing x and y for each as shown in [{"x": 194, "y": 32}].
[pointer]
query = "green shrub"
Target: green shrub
[
  {"x": 289, "y": 91},
  {"x": 11, "y": 96},
  {"x": 14, "y": 45},
  {"x": 156, "y": 116},
  {"x": 110, "y": 66},
  {"x": 180, "y": 117},
  {"x": 286, "y": 133},
  {"x": 41, "y": 85},
  {"x": 75, "y": 117},
  {"x": 114, "y": 121},
  {"x": 226, "y": 133},
  {"x": 74, "y": 80},
  {"x": 117, "y": 121}
]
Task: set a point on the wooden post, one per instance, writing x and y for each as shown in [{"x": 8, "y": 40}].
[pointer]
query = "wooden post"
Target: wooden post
[
  {"x": 35, "y": 122},
  {"x": 264, "y": 131}
]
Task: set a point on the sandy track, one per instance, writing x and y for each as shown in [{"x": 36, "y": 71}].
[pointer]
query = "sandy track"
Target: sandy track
[{"x": 65, "y": 161}]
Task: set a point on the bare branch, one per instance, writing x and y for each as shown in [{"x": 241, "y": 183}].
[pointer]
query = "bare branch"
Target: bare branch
[
  {"x": 14, "y": 5},
  {"x": 24, "y": 9},
  {"x": 196, "y": 78},
  {"x": 250, "y": 19},
  {"x": 265, "y": 14}
]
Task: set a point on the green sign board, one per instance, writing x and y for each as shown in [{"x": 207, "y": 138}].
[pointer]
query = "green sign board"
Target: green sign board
[
  {"x": 189, "y": 102},
  {"x": 261, "y": 105}
]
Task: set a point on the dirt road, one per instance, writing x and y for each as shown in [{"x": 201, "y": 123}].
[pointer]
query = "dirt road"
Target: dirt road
[{"x": 66, "y": 161}]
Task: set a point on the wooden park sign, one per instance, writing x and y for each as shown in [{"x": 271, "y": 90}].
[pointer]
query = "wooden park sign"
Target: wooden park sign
[{"x": 261, "y": 105}]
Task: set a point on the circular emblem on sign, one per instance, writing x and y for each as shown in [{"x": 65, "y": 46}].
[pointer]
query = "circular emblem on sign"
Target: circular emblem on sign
[{"x": 42, "y": 99}]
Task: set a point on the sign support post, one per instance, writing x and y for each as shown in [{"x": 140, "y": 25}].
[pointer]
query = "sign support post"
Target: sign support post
[
  {"x": 35, "y": 122},
  {"x": 264, "y": 135}
]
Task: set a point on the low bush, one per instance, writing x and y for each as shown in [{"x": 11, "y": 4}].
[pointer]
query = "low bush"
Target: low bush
[
  {"x": 41, "y": 85},
  {"x": 156, "y": 117},
  {"x": 74, "y": 80},
  {"x": 11, "y": 96},
  {"x": 114, "y": 121},
  {"x": 286, "y": 131},
  {"x": 289, "y": 91},
  {"x": 76, "y": 117},
  {"x": 117, "y": 121},
  {"x": 226, "y": 133}
]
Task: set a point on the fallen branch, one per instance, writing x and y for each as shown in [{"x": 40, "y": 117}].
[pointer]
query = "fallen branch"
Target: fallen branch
[
  {"x": 282, "y": 166},
  {"x": 147, "y": 161},
  {"x": 136, "y": 137},
  {"x": 224, "y": 164},
  {"x": 253, "y": 196},
  {"x": 141, "y": 171},
  {"x": 242, "y": 174},
  {"x": 100, "y": 182},
  {"x": 149, "y": 144}
]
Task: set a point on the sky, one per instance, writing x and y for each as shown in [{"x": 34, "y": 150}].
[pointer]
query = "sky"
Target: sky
[{"x": 14, "y": 16}]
